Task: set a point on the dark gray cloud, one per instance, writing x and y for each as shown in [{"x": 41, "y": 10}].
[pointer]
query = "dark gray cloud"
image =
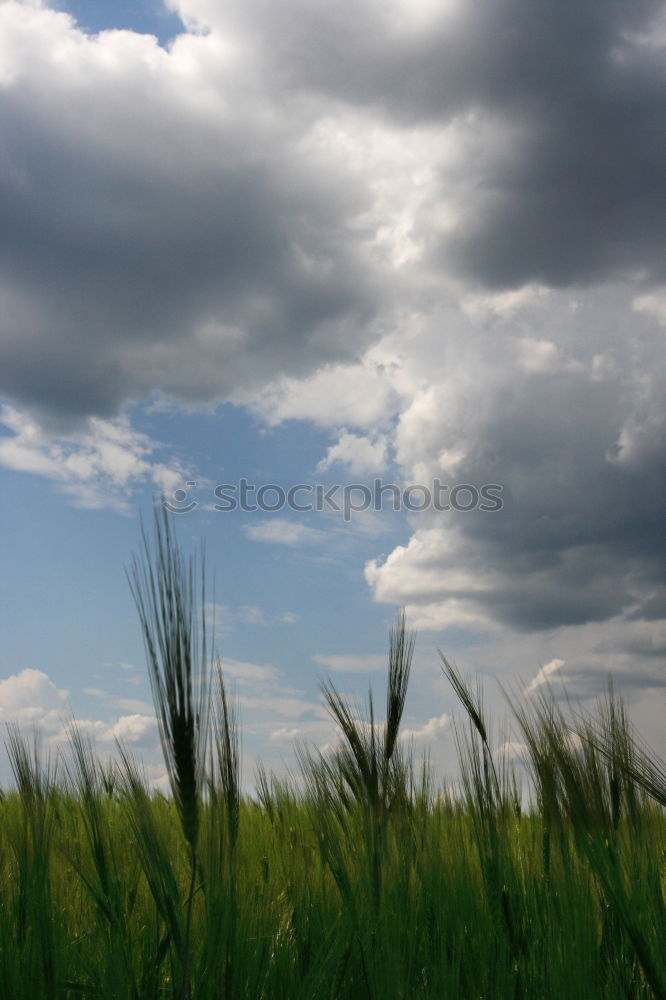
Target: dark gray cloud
[
  {"x": 170, "y": 221},
  {"x": 166, "y": 222},
  {"x": 573, "y": 187},
  {"x": 646, "y": 644},
  {"x": 581, "y": 537},
  {"x": 157, "y": 236},
  {"x": 570, "y": 422},
  {"x": 588, "y": 676},
  {"x": 204, "y": 221},
  {"x": 653, "y": 608}
]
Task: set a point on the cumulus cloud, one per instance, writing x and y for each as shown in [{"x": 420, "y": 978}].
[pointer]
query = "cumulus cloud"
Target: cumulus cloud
[
  {"x": 317, "y": 732},
  {"x": 30, "y": 698},
  {"x": 561, "y": 113},
  {"x": 336, "y": 395},
  {"x": 209, "y": 229},
  {"x": 430, "y": 730},
  {"x": 95, "y": 467},
  {"x": 164, "y": 226},
  {"x": 432, "y": 229},
  {"x": 361, "y": 455},
  {"x": 578, "y": 447},
  {"x": 138, "y": 730},
  {"x": 282, "y": 532},
  {"x": 267, "y": 197},
  {"x": 286, "y": 734}
]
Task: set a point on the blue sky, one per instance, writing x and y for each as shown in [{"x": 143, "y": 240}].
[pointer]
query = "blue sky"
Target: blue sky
[
  {"x": 149, "y": 17},
  {"x": 245, "y": 241}
]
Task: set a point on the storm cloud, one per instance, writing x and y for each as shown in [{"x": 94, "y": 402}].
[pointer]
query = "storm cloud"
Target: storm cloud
[
  {"x": 440, "y": 224},
  {"x": 571, "y": 425},
  {"x": 561, "y": 107},
  {"x": 162, "y": 228}
]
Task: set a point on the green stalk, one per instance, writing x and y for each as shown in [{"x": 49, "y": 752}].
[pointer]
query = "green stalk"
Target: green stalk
[{"x": 163, "y": 586}]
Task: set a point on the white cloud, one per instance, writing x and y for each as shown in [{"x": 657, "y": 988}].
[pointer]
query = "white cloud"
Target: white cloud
[
  {"x": 245, "y": 672},
  {"x": 97, "y": 467},
  {"x": 225, "y": 618},
  {"x": 30, "y": 698},
  {"x": 560, "y": 446},
  {"x": 137, "y": 730},
  {"x": 318, "y": 732},
  {"x": 264, "y": 695},
  {"x": 250, "y": 614},
  {"x": 350, "y": 663},
  {"x": 640, "y": 441},
  {"x": 452, "y": 613},
  {"x": 265, "y": 213},
  {"x": 192, "y": 240},
  {"x": 430, "y": 730},
  {"x": 136, "y": 705},
  {"x": 287, "y": 734},
  {"x": 544, "y": 675},
  {"x": 416, "y": 572},
  {"x": 654, "y": 304},
  {"x": 361, "y": 455},
  {"x": 133, "y": 729},
  {"x": 503, "y": 304},
  {"x": 537, "y": 357},
  {"x": 278, "y": 531},
  {"x": 288, "y": 707},
  {"x": 513, "y": 749},
  {"x": 219, "y": 617},
  {"x": 353, "y": 395}
]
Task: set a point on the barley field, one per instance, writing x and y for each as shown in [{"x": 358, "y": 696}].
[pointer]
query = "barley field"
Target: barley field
[{"x": 359, "y": 878}]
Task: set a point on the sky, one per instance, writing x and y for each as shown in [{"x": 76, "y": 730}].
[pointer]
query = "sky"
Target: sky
[{"x": 398, "y": 243}]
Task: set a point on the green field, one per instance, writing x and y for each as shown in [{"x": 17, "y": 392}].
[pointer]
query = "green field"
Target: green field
[{"x": 358, "y": 879}]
